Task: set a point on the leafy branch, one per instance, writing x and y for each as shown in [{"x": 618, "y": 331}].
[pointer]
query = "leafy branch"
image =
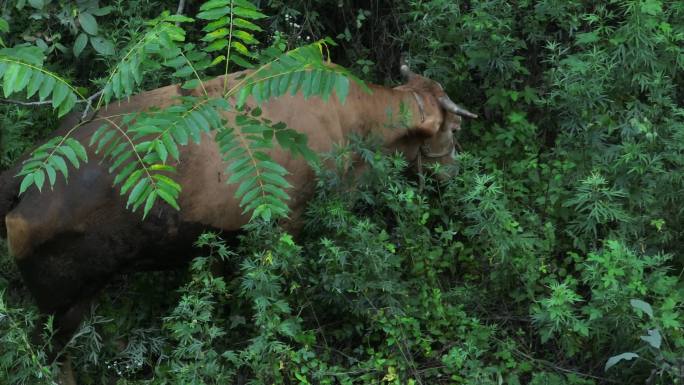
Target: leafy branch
[
  {"x": 143, "y": 147},
  {"x": 161, "y": 40},
  {"x": 21, "y": 70}
]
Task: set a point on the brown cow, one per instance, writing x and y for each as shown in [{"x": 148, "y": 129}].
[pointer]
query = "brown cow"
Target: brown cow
[{"x": 70, "y": 241}]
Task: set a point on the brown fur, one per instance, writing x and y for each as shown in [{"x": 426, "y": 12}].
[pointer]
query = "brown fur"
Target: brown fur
[{"x": 68, "y": 242}]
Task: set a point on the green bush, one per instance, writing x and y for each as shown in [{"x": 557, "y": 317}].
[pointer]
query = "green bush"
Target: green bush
[{"x": 552, "y": 256}]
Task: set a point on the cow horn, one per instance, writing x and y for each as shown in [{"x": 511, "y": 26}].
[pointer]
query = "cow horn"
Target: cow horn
[{"x": 450, "y": 106}]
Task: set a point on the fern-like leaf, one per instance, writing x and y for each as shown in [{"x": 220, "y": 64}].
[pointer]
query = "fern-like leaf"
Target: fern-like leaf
[
  {"x": 159, "y": 44},
  {"x": 304, "y": 69},
  {"x": 48, "y": 159},
  {"x": 262, "y": 182},
  {"x": 230, "y": 29},
  {"x": 21, "y": 70},
  {"x": 142, "y": 148}
]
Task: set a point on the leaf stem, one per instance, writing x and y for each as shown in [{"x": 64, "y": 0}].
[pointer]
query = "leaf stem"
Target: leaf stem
[
  {"x": 137, "y": 154},
  {"x": 230, "y": 42},
  {"x": 194, "y": 70}
]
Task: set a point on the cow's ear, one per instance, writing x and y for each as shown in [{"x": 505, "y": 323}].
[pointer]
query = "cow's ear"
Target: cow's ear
[{"x": 431, "y": 115}]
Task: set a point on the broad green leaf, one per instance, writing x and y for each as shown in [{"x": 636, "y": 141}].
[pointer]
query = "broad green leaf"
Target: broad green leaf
[
  {"x": 218, "y": 45},
  {"x": 10, "y": 79},
  {"x": 239, "y": 60},
  {"x": 125, "y": 173},
  {"x": 246, "y": 37},
  {"x": 149, "y": 202},
  {"x": 275, "y": 179},
  {"x": 240, "y": 48},
  {"x": 52, "y": 175},
  {"x": 245, "y": 186},
  {"x": 296, "y": 82},
  {"x": 104, "y": 140},
  {"x": 243, "y": 95},
  {"x": 326, "y": 82},
  {"x": 78, "y": 149},
  {"x": 96, "y": 135},
  {"x": 116, "y": 84},
  {"x": 316, "y": 83},
  {"x": 217, "y": 34},
  {"x": 238, "y": 175},
  {"x": 39, "y": 179},
  {"x": 284, "y": 83},
  {"x": 191, "y": 84},
  {"x": 170, "y": 182},
  {"x": 213, "y": 14},
  {"x": 171, "y": 146},
  {"x": 26, "y": 183},
  {"x": 46, "y": 87},
  {"x": 244, "y": 4},
  {"x": 23, "y": 78},
  {"x": 59, "y": 93},
  {"x": 88, "y": 23},
  {"x": 142, "y": 196},
  {"x": 103, "y": 11},
  {"x": 161, "y": 150},
  {"x": 59, "y": 163},
  {"x": 306, "y": 86},
  {"x": 341, "y": 87},
  {"x": 249, "y": 197},
  {"x": 211, "y": 4},
  {"x": 34, "y": 84},
  {"x": 179, "y": 19},
  {"x": 653, "y": 338},
  {"x": 66, "y": 106},
  {"x": 175, "y": 62},
  {"x": 278, "y": 193},
  {"x": 143, "y": 146},
  {"x": 615, "y": 359},
  {"x": 642, "y": 305},
  {"x": 102, "y": 46},
  {"x": 135, "y": 69},
  {"x": 246, "y": 13},
  {"x": 70, "y": 154},
  {"x": 244, "y": 24},
  {"x": 168, "y": 199},
  {"x": 126, "y": 78},
  {"x": 183, "y": 72},
  {"x": 201, "y": 121},
  {"x": 120, "y": 160},
  {"x": 137, "y": 191}
]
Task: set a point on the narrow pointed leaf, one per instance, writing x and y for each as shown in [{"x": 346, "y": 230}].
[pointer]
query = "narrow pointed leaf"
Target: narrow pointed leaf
[
  {"x": 26, "y": 183},
  {"x": 137, "y": 191},
  {"x": 149, "y": 202}
]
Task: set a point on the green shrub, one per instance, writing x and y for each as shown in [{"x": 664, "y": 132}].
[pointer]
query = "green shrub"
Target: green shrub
[{"x": 552, "y": 256}]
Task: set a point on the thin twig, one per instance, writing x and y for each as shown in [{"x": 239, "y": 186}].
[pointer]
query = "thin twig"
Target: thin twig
[
  {"x": 22, "y": 103},
  {"x": 179, "y": 11},
  {"x": 90, "y": 103}
]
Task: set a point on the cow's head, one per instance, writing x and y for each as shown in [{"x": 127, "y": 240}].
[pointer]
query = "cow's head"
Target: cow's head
[{"x": 440, "y": 118}]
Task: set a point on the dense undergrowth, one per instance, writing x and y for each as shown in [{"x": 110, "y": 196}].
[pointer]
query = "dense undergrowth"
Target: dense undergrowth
[{"x": 552, "y": 256}]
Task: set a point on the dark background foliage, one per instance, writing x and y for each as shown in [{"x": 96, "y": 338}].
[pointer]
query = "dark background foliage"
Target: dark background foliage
[{"x": 555, "y": 246}]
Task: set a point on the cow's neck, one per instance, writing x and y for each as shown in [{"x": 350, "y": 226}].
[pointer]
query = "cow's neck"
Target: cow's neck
[{"x": 379, "y": 112}]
